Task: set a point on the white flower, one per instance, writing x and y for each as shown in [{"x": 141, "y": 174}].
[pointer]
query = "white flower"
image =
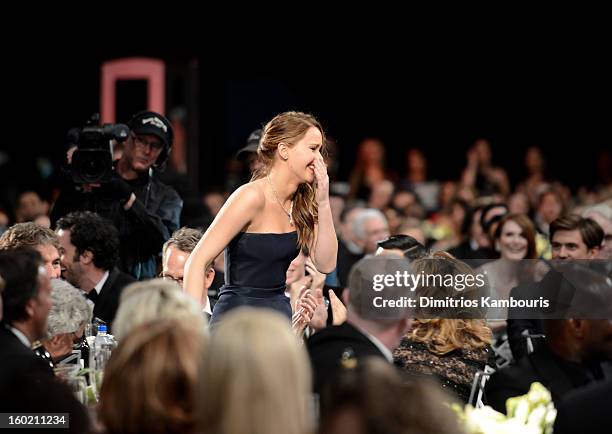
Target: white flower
[
  {"x": 533, "y": 413},
  {"x": 537, "y": 417},
  {"x": 538, "y": 394}
]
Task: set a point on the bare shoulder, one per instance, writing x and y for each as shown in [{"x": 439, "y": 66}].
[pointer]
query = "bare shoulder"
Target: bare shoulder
[{"x": 250, "y": 194}]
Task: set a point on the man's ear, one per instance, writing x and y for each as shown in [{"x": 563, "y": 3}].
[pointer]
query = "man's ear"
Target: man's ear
[
  {"x": 579, "y": 327},
  {"x": 592, "y": 253},
  {"x": 30, "y": 308},
  {"x": 86, "y": 257},
  {"x": 209, "y": 277}
]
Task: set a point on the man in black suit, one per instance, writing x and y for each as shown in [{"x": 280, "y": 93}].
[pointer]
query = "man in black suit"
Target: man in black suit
[
  {"x": 90, "y": 245},
  {"x": 570, "y": 358},
  {"x": 370, "y": 330},
  {"x": 586, "y": 411},
  {"x": 27, "y": 382}
]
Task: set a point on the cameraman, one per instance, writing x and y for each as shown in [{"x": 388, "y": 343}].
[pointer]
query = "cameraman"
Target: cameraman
[{"x": 144, "y": 210}]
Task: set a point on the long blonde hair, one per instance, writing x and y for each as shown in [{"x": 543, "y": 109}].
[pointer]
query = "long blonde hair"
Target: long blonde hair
[
  {"x": 443, "y": 335},
  {"x": 255, "y": 377},
  {"x": 289, "y": 128}
]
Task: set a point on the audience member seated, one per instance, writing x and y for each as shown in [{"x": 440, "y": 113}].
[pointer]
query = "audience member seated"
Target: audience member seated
[
  {"x": 27, "y": 381},
  {"x": 514, "y": 241},
  {"x": 368, "y": 331},
  {"x": 602, "y": 215},
  {"x": 450, "y": 350},
  {"x": 255, "y": 377},
  {"x": 175, "y": 253},
  {"x": 372, "y": 397},
  {"x": 39, "y": 238},
  {"x": 68, "y": 317},
  {"x": 151, "y": 300},
  {"x": 89, "y": 253},
  {"x": 349, "y": 252},
  {"x": 150, "y": 382},
  {"x": 572, "y": 238},
  {"x": 570, "y": 358}
]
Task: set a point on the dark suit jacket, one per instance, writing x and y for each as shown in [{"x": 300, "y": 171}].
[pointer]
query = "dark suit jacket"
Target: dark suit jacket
[
  {"x": 516, "y": 322},
  {"x": 346, "y": 260},
  {"x": 27, "y": 385},
  {"x": 326, "y": 347},
  {"x": 586, "y": 411},
  {"x": 107, "y": 303},
  {"x": 557, "y": 375}
]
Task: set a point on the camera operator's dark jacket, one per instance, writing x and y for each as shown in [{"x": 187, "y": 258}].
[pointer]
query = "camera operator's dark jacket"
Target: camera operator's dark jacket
[{"x": 143, "y": 228}]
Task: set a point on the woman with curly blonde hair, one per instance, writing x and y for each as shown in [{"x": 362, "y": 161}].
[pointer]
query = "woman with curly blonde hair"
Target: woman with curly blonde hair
[
  {"x": 265, "y": 222},
  {"x": 452, "y": 350}
]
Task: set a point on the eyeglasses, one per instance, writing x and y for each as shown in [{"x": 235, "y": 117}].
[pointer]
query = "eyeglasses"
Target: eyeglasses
[
  {"x": 143, "y": 142},
  {"x": 174, "y": 279}
]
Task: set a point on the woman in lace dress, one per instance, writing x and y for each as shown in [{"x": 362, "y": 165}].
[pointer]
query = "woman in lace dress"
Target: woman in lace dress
[{"x": 451, "y": 350}]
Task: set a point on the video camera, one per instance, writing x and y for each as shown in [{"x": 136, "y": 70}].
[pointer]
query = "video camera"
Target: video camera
[{"x": 92, "y": 161}]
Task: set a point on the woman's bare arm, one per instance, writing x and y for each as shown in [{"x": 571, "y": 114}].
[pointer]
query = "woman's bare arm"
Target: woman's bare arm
[
  {"x": 324, "y": 249},
  {"x": 236, "y": 214}
]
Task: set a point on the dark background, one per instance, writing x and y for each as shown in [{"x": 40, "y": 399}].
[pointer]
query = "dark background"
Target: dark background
[{"x": 439, "y": 106}]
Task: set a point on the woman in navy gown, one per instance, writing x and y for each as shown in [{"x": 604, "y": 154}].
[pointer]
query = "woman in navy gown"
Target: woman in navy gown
[{"x": 266, "y": 222}]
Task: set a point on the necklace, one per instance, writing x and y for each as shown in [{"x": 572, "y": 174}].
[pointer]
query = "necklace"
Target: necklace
[{"x": 290, "y": 212}]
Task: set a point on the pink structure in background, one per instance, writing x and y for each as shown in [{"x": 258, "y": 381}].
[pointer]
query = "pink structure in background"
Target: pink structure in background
[{"x": 132, "y": 68}]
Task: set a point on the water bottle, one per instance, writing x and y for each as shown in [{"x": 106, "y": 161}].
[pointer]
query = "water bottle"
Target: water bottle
[{"x": 102, "y": 348}]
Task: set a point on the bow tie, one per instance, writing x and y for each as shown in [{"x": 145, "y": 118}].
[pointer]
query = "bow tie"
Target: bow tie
[{"x": 92, "y": 295}]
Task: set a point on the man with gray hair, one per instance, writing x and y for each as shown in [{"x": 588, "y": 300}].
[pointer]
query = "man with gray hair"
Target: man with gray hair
[
  {"x": 175, "y": 253},
  {"x": 67, "y": 319},
  {"x": 372, "y": 329},
  {"x": 369, "y": 227},
  {"x": 602, "y": 215},
  {"x": 39, "y": 238}
]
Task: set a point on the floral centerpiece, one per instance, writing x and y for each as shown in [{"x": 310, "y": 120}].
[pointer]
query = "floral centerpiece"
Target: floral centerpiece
[{"x": 533, "y": 413}]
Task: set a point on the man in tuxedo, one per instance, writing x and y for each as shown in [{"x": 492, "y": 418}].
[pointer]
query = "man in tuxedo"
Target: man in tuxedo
[
  {"x": 369, "y": 330},
  {"x": 175, "y": 253},
  {"x": 572, "y": 238},
  {"x": 89, "y": 253},
  {"x": 570, "y": 358},
  {"x": 27, "y": 382}
]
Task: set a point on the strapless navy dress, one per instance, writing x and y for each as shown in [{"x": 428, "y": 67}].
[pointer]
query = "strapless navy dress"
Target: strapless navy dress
[{"x": 255, "y": 270}]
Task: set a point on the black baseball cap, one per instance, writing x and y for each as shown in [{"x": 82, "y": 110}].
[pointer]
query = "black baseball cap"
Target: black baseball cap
[
  {"x": 147, "y": 122},
  {"x": 252, "y": 144}
]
